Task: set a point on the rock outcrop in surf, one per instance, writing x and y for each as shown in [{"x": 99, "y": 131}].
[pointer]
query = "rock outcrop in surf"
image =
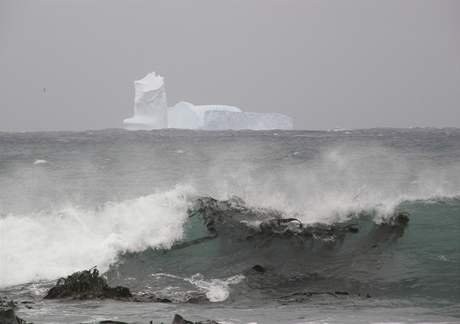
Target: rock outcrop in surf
[
  {"x": 235, "y": 218},
  {"x": 87, "y": 284},
  {"x": 220, "y": 216},
  {"x": 180, "y": 320},
  {"x": 8, "y": 312}
]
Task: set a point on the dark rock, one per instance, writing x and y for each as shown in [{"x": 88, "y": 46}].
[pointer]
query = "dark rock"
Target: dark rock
[
  {"x": 233, "y": 217},
  {"x": 111, "y": 322},
  {"x": 392, "y": 228},
  {"x": 303, "y": 296},
  {"x": 189, "y": 297},
  {"x": 7, "y": 312},
  {"x": 8, "y": 316},
  {"x": 398, "y": 219},
  {"x": 87, "y": 284},
  {"x": 258, "y": 268},
  {"x": 401, "y": 219},
  {"x": 180, "y": 320},
  {"x": 196, "y": 298},
  {"x": 353, "y": 228},
  {"x": 163, "y": 300},
  {"x": 7, "y": 303}
]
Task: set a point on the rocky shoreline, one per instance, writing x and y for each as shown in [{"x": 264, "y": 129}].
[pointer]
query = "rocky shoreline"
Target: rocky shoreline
[
  {"x": 86, "y": 285},
  {"x": 90, "y": 285},
  {"x": 8, "y": 315}
]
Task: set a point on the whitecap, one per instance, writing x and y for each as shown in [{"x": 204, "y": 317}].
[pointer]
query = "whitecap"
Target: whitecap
[{"x": 37, "y": 162}]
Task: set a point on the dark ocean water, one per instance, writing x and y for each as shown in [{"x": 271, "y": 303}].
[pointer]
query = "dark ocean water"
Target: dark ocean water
[{"x": 123, "y": 200}]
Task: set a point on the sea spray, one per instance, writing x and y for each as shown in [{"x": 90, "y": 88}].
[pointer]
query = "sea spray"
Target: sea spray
[
  {"x": 341, "y": 180},
  {"x": 47, "y": 245}
]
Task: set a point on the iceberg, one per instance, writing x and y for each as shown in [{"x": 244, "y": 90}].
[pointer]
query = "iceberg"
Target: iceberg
[
  {"x": 223, "y": 120},
  {"x": 190, "y": 116},
  {"x": 151, "y": 112},
  {"x": 150, "y": 105}
]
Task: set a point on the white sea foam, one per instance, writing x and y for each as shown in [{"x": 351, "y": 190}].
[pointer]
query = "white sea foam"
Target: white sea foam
[
  {"x": 37, "y": 162},
  {"x": 216, "y": 290},
  {"x": 48, "y": 245}
]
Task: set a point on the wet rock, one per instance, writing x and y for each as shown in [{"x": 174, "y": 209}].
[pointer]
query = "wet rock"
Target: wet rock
[
  {"x": 87, "y": 284},
  {"x": 7, "y": 312},
  {"x": 8, "y": 316},
  {"x": 391, "y": 228},
  {"x": 163, "y": 300},
  {"x": 196, "y": 298},
  {"x": 7, "y": 303},
  {"x": 234, "y": 217},
  {"x": 401, "y": 219},
  {"x": 180, "y": 320},
  {"x": 303, "y": 296},
  {"x": 189, "y": 297},
  {"x": 258, "y": 268},
  {"x": 353, "y": 228},
  {"x": 151, "y": 298}
]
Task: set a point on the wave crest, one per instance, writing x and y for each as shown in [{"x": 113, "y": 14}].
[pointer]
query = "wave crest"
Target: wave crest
[{"x": 47, "y": 245}]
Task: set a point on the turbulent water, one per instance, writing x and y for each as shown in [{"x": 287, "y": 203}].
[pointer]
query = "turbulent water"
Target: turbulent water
[{"x": 266, "y": 227}]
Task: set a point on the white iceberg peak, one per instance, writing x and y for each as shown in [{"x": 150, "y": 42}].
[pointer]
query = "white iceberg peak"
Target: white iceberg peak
[
  {"x": 151, "y": 81},
  {"x": 150, "y": 104}
]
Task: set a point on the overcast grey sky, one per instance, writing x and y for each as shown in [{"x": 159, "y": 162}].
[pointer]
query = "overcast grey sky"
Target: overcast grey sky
[{"x": 328, "y": 64}]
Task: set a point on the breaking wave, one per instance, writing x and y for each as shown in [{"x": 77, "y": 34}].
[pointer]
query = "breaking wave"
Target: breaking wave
[
  {"x": 50, "y": 244},
  {"x": 229, "y": 245}
]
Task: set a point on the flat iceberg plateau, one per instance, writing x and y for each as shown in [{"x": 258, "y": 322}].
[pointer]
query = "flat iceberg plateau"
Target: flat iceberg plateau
[
  {"x": 151, "y": 112},
  {"x": 150, "y": 105},
  {"x": 190, "y": 116},
  {"x": 223, "y": 120}
]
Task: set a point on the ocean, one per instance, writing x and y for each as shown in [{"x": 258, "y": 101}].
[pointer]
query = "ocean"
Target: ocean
[{"x": 235, "y": 226}]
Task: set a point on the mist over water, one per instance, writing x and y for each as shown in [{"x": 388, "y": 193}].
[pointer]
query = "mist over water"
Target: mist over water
[{"x": 93, "y": 197}]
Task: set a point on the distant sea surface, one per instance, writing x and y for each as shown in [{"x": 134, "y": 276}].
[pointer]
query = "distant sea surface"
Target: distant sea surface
[{"x": 122, "y": 201}]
